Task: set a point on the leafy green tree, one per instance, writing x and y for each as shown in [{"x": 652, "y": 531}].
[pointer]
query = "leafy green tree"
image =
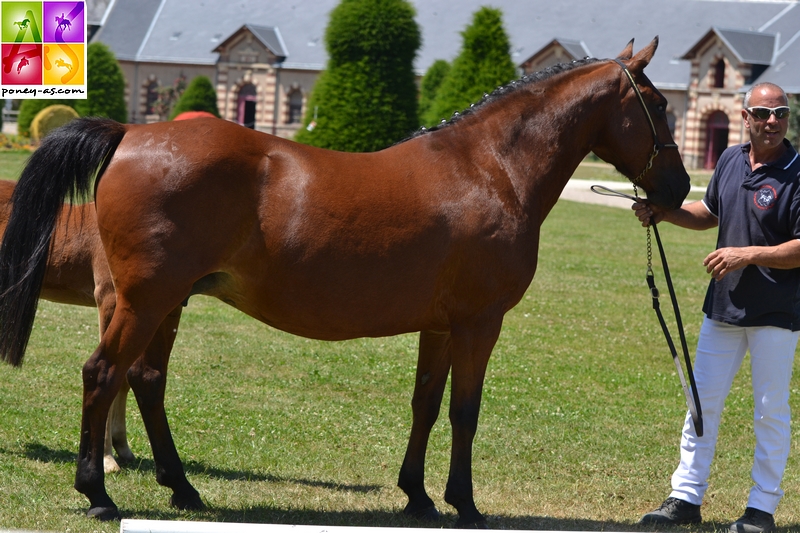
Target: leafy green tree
[
  {"x": 429, "y": 87},
  {"x": 198, "y": 96},
  {"x": 2, "y": 106},
  {"x": 794, "y": 121},
  {"x": 105, "y": 85},
  {"x": 28, "y": 110},
  {"x": 483, "y": 64},
  {"x": 366, "y": 99}
]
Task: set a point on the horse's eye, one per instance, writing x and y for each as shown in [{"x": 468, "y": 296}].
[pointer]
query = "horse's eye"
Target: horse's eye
[{"x": 660, "y": 108}]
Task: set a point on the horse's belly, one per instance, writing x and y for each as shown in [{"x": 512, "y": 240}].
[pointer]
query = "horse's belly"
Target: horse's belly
[{"x": 331, "y": 307}]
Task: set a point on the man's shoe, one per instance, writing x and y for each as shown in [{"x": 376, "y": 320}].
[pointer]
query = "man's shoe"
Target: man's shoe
[
  {"x": 753, "y": 521},
  {"x": 674, "y": 511}
]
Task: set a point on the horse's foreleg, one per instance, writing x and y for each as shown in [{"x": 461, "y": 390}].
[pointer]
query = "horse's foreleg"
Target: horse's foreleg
[
  {"x": 148, "y": 378},
  {"x": 472, "y": 347},
  {"x": 103, "y": 375},
  {"x": 432, "y": 369}
]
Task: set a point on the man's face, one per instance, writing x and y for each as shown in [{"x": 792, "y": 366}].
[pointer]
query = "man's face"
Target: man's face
[{"x": 766, "y": 133}]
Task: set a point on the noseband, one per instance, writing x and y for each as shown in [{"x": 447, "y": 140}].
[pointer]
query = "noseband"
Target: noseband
[{"x": 657, "y": 146}]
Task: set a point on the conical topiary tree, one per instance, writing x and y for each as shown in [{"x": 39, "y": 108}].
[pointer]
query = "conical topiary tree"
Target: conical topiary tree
[
  {"x": 105, "y": 85},
  {"x": 429, "y": 86},
  {"x": 366, "y": 99},
  {"x": 198, "y": 96},
  {"x": 483, "y": 64}
]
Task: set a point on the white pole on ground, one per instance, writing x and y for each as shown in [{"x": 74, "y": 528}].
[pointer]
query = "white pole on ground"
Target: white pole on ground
[{"x": 177, "y": 526}]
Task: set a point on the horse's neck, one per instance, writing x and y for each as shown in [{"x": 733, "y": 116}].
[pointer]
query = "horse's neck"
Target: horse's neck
[{"x": 547, "y": 150}]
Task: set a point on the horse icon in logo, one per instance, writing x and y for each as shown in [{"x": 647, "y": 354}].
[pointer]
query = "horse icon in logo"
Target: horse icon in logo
[
  {"x": 23, "y": 24},
  {"x": 63, "y": 22},
  {"x": 765, "y": 197},
  {"x": 61, "y": 63},
  {"x": 22, "y": 63}
]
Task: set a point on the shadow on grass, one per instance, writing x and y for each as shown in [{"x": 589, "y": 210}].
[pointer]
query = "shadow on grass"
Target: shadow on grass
[
  {"x": 273, "y": 515},
  {"x": 39, "y": 452}
]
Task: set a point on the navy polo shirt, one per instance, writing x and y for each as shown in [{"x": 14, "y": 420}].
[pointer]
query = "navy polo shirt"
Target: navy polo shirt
[{"x": 755, "y": 208}]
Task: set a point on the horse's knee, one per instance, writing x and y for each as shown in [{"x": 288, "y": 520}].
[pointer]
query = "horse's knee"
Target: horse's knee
[{"x": 144, "y": 378}]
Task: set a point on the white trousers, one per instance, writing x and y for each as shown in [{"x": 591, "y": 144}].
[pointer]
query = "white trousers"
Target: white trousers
[{"x": 720, "y": 351}]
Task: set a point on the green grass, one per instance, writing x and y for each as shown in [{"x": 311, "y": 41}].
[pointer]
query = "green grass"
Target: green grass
[
  {"x": 579, "y": 425},
  {"x": 11, "y": 164}
]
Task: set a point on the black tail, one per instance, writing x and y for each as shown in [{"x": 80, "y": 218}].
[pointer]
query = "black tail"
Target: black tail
[{"x": 62, "y": 168}]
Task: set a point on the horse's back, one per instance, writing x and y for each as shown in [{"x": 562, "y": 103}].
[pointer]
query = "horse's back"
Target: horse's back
[{"x": 316, "y": 242}]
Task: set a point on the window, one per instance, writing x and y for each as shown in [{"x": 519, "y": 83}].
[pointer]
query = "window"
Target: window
[
  {"x": 295, "y": 107},
  {"x": 151, "y": 97},
  {"x": 719, "y": 74}
]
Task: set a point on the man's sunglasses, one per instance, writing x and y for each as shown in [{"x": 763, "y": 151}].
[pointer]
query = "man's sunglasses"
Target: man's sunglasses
[{"x": 763, "y": 113}]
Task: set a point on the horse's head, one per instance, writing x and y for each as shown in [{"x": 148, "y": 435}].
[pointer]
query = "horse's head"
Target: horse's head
[{"x": 637, "y": 139}]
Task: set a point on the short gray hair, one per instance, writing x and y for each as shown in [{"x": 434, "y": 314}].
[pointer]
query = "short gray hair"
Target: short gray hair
[{"x": 759, "y": 86}]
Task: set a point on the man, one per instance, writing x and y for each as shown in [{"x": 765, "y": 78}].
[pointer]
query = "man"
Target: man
[{"x": 753, "y": 302}]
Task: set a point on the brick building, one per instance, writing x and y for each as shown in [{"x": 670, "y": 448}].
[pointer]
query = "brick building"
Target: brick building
[{"x": 264, "y": 55}]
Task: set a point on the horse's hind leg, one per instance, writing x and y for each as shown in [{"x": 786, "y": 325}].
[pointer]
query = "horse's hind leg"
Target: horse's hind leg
[
  {"x": 103, "y": 374},
  {"x": 117, "y": 433},
  {"x": 148, "y": 378},
  {"x": 116, "y": 437},
  {"x": 432, "y": 369}
]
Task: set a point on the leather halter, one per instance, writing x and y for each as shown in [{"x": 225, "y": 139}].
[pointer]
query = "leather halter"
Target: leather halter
[{"x": 657, "y": 146}]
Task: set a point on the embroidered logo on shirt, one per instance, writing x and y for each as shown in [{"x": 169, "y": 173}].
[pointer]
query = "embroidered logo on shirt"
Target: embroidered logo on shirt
[{"x": 765, "y": 197}]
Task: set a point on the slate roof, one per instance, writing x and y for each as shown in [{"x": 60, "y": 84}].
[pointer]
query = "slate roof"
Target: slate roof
[
  {"x": 754, "y": 48},
  {"x": 577, "y": 49},
  {"x": 95, "y": 10},
  {"x": 268, "y": 36},
  {"x": 189, "y": 30}
]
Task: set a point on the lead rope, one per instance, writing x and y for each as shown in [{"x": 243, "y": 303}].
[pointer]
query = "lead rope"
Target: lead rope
[{"x": 692, "y": 398}]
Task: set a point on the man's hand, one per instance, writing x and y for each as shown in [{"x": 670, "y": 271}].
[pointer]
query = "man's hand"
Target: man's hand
[
  {"x": 645, "y": 212},
  {"x": 723, "y": 261}
]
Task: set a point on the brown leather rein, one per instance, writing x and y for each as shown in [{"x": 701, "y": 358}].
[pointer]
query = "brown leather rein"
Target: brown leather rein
[{"x": 692, "y": 398}]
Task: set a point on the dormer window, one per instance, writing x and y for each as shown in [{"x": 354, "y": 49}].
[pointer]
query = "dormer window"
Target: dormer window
[{"x": 719, "y": 74}]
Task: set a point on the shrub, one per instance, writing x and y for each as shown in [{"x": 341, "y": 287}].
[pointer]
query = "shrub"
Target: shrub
[
  {"x": 28, "y": 110},
  {"x": 429, "y": 87},
  {"x": 198, "y": 96},
  {"x": 366, "y": 99},
  {"x": 483, "y": 64},
  {"x": 794, "y": 121},
  {"x": 50, "y": 118},
  {"x": 105, "y": 85}
]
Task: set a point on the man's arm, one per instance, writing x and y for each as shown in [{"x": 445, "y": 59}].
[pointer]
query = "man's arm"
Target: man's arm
[
  {"x": 692, "y": 216},
  {"x": 725, "y": 260}
]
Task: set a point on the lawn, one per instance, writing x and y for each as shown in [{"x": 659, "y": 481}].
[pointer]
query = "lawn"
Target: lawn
[
  {"x": 579, "y": 425},
  {"x": 11, "y": 164}
]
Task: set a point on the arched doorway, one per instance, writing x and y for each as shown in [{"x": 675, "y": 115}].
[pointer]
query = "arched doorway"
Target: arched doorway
[
  {"x": 246, "y": 106},
  {"x": 716, "y": 138}
]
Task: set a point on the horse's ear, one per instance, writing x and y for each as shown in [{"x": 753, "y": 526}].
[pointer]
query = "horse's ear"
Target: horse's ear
[
  {"x": 643, "y": 56},
  {"x": 627, "y": 52}
]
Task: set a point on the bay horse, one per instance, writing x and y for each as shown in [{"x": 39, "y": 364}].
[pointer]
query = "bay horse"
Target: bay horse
[
  {"x": 437, "y": 234},
  {"x": 77, "y": 274}
]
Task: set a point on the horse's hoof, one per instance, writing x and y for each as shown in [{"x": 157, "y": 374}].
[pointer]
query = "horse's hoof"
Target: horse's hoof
[
  {"x": 104, "y": 514},
  {"x": 426, "y": 514},
  {"x": 125, "y": 457},
  {"x": 191, "y": 502},
  {"x": 110, "y": 466}
]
